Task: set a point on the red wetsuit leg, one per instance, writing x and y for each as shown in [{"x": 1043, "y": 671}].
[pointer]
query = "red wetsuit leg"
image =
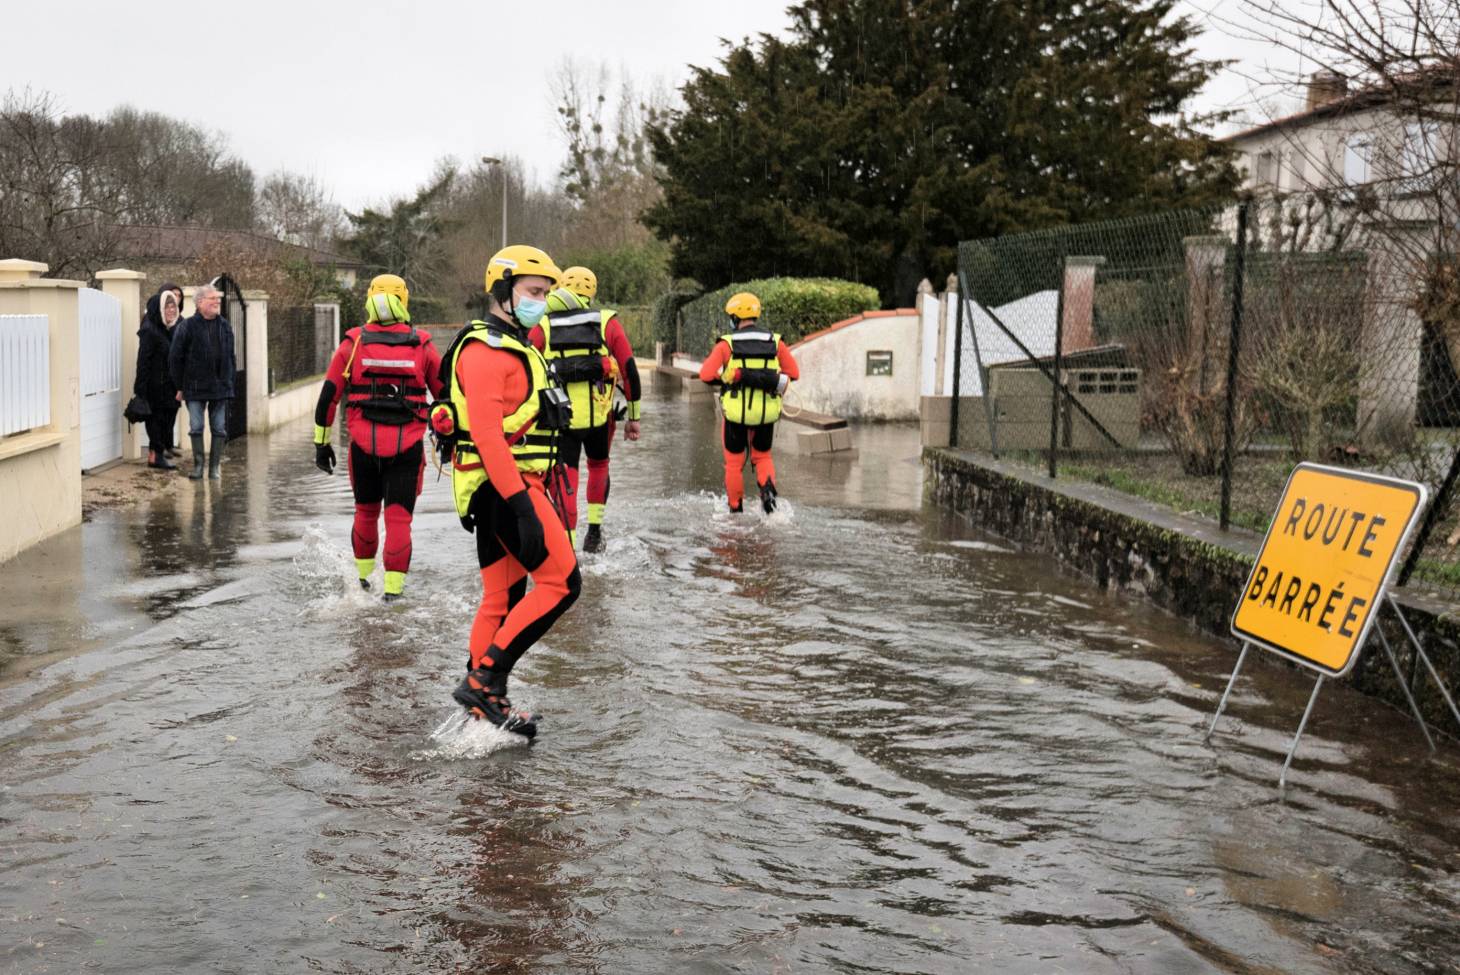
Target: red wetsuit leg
[
  {"x": 732, "y": 435},
  {"x": 366, "y": 483},
  {"x": 596, "y": 445},
  {"x": 761, "y": 438},
  {"x": 555, "y": 584},
  {"x": 402, "y": 484}
]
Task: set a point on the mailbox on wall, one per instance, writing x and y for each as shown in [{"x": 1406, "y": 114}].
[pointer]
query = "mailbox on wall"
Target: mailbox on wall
[{"x": 879, "y": 363}]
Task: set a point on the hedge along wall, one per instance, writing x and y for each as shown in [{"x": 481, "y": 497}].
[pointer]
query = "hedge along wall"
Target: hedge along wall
[
  {"x": 638, "y": 325},
  {"x": 794, "y": 307}
]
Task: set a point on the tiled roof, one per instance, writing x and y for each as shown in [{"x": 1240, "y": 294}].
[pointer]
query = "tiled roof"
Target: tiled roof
[
  {"x": 167, "y": 243},
  {"x": 888, "y": 313}
]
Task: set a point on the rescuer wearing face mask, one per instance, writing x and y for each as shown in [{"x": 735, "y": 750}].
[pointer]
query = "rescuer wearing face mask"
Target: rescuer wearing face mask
[
  {"x": 753, "y": 368},
  {"x": 383, "y": 370},
  {"x": 590, "y": 354},
  {"x": 500, "y": 420}
]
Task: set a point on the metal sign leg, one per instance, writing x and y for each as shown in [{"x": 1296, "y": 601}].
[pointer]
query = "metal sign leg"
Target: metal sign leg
[
  {"x": 1403, "y": 684},
  {"x": 1312, "y": 699},
  {"x": 1222, "y": 705},
  {"x": 1434, "y": 674}
]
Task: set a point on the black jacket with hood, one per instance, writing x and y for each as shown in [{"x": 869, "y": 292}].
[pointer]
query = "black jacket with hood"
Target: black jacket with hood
[{"x": 154, "y": 342}]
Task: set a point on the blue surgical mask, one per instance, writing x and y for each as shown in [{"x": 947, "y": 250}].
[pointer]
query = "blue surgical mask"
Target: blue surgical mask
[{"x": 529, "y": 311}]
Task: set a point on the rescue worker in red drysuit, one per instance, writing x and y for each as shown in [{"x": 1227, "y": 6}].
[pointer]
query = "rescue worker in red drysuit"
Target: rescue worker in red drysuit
[
  {"x": 383, "y": 370},
  {"x": 589, "y": 349},
  {"x": 753, "y": 368},
  {"x": 503, "y": 416}
]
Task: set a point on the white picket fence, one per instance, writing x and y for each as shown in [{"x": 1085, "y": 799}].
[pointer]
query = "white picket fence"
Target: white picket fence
[
  {"x": 25, "y": 373},
  {"x": 101, "y": 377}
]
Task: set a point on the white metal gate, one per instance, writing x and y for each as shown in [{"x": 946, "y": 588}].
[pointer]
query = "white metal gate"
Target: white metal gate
[{"x": 101, "y": 378}]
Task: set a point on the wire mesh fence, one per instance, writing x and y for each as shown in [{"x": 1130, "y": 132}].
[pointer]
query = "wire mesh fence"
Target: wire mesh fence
[
  {"x": 301, "y": 341},
  {"x": 1194, "y": 357}
]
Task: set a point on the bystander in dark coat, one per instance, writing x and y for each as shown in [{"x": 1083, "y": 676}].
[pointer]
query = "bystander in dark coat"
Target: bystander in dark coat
[
  {"x": 202, "y": 359},
  {"x": 154, "y": 376}
]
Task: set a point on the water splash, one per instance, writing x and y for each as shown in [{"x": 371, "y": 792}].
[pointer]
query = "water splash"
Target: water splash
[
  {"x": 784, "y": 515},
  {"x": 461, "y": 736},
  {"x": 622, "y": 555},
  {"x": 977, "y": 546},
  {"x": 327, "y": 571}
]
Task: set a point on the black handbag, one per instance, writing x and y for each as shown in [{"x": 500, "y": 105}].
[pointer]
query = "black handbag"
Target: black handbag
[{"x": 137, "y": 410}]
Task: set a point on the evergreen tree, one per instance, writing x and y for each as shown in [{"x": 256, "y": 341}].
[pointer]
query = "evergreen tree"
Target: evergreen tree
[
  {"x": 882, "y": 132},
  {"x": 408, "y": 239}
]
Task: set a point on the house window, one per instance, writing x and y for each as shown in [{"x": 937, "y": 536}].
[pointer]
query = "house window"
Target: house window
[
  {"x": 1420, "y": 153},
  {"x": 1356, "y": 153},
  {"x": 1265, "y": 173},
  {"x": 879, "y": 363}
]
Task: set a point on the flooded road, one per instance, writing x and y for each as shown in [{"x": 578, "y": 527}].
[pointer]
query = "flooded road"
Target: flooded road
[{"x": 854, "y": 737}]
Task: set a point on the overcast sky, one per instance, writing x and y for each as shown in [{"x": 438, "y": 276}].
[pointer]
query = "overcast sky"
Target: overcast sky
[{"x": 367, "y": 95}]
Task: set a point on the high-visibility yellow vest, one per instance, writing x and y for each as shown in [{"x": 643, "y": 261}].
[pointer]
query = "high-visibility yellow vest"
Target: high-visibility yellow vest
[
  {"x": 576, "y": 341},
  {"x": 751, "y": 349},
  {"x": 532, "y": 449}
]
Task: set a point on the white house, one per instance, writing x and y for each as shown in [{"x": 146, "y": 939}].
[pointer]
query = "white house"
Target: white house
[{"x": 1372, "y": 172}]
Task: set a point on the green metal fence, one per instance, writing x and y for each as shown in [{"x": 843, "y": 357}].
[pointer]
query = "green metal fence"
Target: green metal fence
[{"x": 1194, "y": 357}]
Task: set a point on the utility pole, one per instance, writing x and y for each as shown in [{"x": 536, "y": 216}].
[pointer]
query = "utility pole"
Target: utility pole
[{"x": 502, "y": 168}]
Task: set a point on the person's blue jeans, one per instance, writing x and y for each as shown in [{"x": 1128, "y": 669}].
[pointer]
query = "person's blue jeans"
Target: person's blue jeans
[{"x": 217, "y": 409}]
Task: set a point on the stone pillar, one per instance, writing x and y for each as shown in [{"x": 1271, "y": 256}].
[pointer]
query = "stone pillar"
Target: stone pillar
[
  {"x": 1079, "y": 303},
  {"x": 947, "y": 320},
  {"x": 40, "y": 470},
  {"x": 257, "y": 352},
  {"x": 1390, "y": 352},
  {"x": 927, "y": 343},
  {"x": 126, "y": 287},
  {"x": 15, "y": 269}
]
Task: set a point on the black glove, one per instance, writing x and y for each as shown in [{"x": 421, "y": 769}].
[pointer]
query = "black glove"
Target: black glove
[
  {"x": 324, "y": 457},
  {"x": 469, "y": 521},
  {"x": 531, "y": 549}
]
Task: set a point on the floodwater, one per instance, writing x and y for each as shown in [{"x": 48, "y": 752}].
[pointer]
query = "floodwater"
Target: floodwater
[{"x": 853, "y": 737}]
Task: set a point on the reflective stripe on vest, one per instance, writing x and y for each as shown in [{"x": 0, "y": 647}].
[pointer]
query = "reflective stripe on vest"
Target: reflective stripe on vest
[
  {"x": 575, "y": 333},
  {"x": 532, "y": 450},
  {"x": 751, "y": 349}
]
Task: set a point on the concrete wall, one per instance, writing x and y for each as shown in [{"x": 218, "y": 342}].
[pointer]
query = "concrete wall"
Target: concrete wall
[
  {"x": 40, "y": 470},
  {"x": 834, "y": 364},
  {"x": 288, "y": 405}
]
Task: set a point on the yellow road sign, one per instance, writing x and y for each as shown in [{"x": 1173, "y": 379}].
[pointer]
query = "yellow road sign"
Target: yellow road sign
[{"x": 1324, "y": 564}]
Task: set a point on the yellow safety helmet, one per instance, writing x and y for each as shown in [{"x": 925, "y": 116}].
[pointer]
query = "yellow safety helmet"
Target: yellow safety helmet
[
  {"x": 390, "y": 284},
  {"x": 743, "y": 305},
  {"x": 386, "y": 308},
  {"x": 520, "y": 260},
  {"x": 563, "y": 299},
  {"x": 581, "y": 281}
]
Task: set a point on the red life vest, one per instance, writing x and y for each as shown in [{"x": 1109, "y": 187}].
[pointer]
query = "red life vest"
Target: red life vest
[{"x": 385, "y": 392}]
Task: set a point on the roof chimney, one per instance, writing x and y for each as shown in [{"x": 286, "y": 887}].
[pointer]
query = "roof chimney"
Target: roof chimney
[{"x": 1325, "y": 87}]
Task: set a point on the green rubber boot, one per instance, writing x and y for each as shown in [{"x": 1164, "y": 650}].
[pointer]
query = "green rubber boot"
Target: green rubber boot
[{"x": 197, "y": 472}]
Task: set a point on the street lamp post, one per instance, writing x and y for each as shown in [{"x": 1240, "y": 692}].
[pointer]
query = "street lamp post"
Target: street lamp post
[{"x": 502, "y": 166}]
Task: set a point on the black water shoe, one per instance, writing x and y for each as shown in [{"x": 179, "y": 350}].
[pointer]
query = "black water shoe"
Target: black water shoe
[
  {"x": 484, "y": 695},
  {"x": 768, "y": 496},
  {"x": 593, "y": 541}
]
